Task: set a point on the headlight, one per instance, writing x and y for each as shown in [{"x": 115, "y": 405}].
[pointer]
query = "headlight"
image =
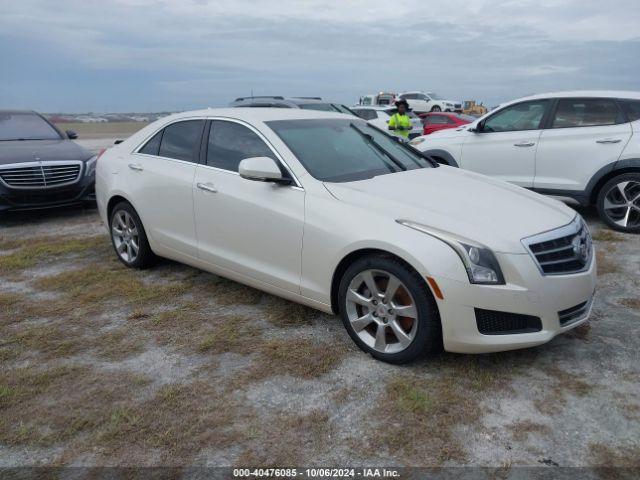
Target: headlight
[
  {"x": 90, "y": 166},
  {"x": 479, "y": 261},
  {"x": 417, "y": 141},
  {"x": 449, "y": 104}
]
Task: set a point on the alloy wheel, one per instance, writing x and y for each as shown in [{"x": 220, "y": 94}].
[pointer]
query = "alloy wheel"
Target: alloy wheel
[
  {"x": 125, "y": 236},
  {"x": 622, "y": 204},
  {"x": 382, "y": 311}
]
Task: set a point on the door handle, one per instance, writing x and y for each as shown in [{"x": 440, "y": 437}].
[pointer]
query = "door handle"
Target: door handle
[
  {"x": 207, "y": 187},
  {"x": 524, "y": 144},
  {"x": 609, "y": 140},
  {"x": 135, "y": 166}
]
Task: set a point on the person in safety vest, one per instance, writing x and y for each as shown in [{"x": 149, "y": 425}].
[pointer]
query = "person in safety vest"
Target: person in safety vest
[{"x": 400, "y": 122}]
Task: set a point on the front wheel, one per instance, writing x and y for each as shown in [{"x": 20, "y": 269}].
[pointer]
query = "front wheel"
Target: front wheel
[
  {"x": 388, "y": 310},
  {"x": 436, "y": 108},
  {"x": 619, "y": 203}
]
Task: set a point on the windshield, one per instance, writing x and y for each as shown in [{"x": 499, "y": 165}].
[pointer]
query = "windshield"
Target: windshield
[
  {"x": 435, "y": 96},
  {"x": 337, "y": 150},
  {"x": 25, "y": 126}
]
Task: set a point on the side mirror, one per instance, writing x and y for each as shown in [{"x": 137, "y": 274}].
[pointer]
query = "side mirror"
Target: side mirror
[
  {"x": 71, "y": 134},
  {"x": 479, "y": 128},
  {"x": 261, "y": 169}
]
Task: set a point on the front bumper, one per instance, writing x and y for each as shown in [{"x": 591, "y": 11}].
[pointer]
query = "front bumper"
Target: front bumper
[
  {"x": 35, "y": 199},
  {"x": 527, "y": 292}
]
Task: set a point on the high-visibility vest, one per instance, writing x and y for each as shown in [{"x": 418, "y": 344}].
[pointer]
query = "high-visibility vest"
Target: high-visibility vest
[{"x": 398, "y": 120}]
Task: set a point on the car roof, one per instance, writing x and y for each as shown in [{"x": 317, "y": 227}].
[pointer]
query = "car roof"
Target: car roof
[
  {"x": 584, "y": 94},
  {"x": 16, "y": 111},
  {"x": 279, "y": 100},
  {"x": 263, "y": 114},
  {"x": 373, "y": 107}
]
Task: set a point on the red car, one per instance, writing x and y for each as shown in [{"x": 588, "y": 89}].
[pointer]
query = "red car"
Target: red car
[{"x": 442, "y": 120}]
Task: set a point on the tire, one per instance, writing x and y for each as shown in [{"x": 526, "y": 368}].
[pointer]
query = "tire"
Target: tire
[
  {"x": 623, "y": 190},
  {"x": 127, "y": 232},
  {"x": 436, "y": 108},
  {"x": 378, "y": 320}
]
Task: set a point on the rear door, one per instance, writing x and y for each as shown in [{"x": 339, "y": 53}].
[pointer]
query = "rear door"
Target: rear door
[
  {"x": 161, "y": 176},
  {"x": 505, "y": 148},
  {"x": 249, "y": 227},
  {"x": 583, "y": 135}
]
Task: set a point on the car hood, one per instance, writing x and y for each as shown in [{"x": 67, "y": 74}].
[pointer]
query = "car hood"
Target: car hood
[
  {"x": 463, "y": 203},
  {"x": 35, "y": 150}
]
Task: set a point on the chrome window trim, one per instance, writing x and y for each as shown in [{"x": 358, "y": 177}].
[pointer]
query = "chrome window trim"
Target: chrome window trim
[
  {"x": 43, "y": 163},
  {"x": 571, "y": 228},
  {"x": 136, "y": 151},
  {"x": 266, "y": 141}
]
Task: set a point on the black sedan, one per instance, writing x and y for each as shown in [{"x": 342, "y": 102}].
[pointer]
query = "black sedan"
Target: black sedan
[{"x": 40, "y": 166}]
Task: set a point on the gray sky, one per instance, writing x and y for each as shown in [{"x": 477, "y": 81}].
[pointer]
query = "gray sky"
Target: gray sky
[{"x": 143, "y": 55}]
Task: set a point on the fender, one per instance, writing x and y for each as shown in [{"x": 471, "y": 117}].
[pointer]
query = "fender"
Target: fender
[
  {"x": 585, "y": 197},
  {"x": 436, "y": 152}
]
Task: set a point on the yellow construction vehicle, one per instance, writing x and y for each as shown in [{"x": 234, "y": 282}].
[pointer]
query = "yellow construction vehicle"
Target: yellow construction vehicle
[{"x": 470, "y": 107}]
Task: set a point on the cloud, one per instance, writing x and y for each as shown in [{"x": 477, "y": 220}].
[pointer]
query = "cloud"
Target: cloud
[{"x": 144, "y": 54}]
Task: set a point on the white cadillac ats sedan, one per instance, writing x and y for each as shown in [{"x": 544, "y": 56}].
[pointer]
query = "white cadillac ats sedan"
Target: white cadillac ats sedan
[{"x": 324, "y": 209}]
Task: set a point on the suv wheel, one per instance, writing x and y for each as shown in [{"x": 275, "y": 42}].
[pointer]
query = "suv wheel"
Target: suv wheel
[
  {"x": 128, "y": 237},
  {"x": 619, "y": 203},
  {"x": 436, "y": 108},
  {"x": 388, "y": 310}
]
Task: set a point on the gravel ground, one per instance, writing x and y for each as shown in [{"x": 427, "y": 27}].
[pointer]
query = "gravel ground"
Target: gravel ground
[{"x": 102, "y": 365}]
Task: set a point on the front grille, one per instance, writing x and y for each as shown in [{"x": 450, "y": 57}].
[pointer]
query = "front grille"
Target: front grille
[
  {"x": 564, "y": 250},
  {"x": 41, "y": 174},
  {"x": 492, "y": 322},
  {"x": 573, "y": 314}
]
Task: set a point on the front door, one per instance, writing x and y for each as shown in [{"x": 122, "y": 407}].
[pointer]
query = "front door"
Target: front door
[
  {"x": 505, "y": 146},
  {"x": 584, "y": 135},
  {"x": 252, "y": 228}
]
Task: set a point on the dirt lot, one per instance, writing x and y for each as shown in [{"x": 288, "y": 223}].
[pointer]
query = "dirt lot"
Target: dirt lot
[{"x": 102, "y": 365}]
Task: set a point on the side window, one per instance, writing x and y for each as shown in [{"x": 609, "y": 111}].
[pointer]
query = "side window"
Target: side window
[
  {"x": 632, "y": 109},
  {"x": 230, "y": 142},
  {"x": 521, "y": 116},
  {"x": 153, "y": 145},
  {"x": 586, "y": 112},
  {"x": 422, "y": 97},
  {"x": 181, "y": 140},
  {"x": 437, "y": 120}
]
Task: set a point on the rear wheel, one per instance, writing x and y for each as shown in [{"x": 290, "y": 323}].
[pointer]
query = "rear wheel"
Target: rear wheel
[
  {"x": 619, "y": 203},
  {"x": 128, "y": 237},
  {"x": 436, "y": 108},
  {"x": 388, "y": 310}
]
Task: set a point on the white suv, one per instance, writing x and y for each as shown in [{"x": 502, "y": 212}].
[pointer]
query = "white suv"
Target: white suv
[
  {"x": 582, "y": 146},
  {"x": 328, "y": 211},
  {"x": 421, "y": 102}
]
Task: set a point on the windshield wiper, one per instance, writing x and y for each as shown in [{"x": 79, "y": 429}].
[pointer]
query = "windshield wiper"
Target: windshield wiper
[{"x": 377, "y": 146}]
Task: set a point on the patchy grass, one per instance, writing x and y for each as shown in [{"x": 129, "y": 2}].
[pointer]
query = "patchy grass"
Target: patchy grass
[
  {"x": 109, "y": 281},
  {"x": 283, "y": 313},
  {"x": 46, "y": 407},
  {"x": 418, "y": 414},
  {"x": 296, "y": 357},
  {"x": 176, "y": 422},
  {"x": 606, "y": 235},
  {"x": 34, "y": 250},
  {"x": 606, "y": 459},
  {"x": 632, "y": 303},
  {"x": 521, "y": 430},
  {"x": 564, "y": 384},
  {"x": 581, "y": 332},
  {"x": 50, "y": 340},
  {"x": 300, "y": 437},
  {"x": 117, "y": 344},
  {"x": 605, "y": 264},
  {"x": 233, "y": 333}
]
